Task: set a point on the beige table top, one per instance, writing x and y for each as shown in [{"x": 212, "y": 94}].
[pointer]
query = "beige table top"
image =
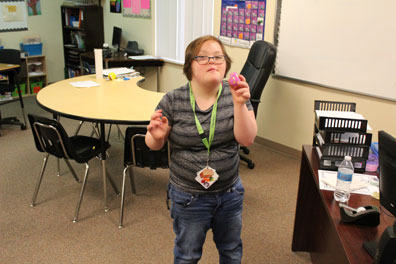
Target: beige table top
[
  {"x": 117, "y": 102},
  {"x": 6, "y": 66}
]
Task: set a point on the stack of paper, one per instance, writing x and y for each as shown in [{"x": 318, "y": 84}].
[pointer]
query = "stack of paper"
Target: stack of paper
[
  {"x": 118, "y": 71},
  {"x": 361, "y": 183}
]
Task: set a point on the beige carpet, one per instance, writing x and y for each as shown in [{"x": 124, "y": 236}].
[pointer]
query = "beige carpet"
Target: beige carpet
[{"x": 46, "y": 234}]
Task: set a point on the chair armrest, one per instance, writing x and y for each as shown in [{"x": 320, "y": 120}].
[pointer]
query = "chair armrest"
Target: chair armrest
[{"x": 255, "y": 100}]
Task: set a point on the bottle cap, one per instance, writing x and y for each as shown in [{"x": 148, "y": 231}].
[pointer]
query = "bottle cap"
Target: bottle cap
[{"x": 348, "y": 158}]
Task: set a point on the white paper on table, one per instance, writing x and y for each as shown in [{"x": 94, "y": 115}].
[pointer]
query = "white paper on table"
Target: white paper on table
[
  {"x": 361, "y": 183},
  {"x": 84, "y": 84}
]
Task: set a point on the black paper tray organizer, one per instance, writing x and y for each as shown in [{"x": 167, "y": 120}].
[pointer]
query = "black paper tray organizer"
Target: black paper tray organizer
[
  {"x": 330, "y": 162},
  {"x": 334, "y": 106},
  {"x": 340, "y": 124},
  {"x": 342, "y": 150},
  {"x": 340, "y": 134},
  {"x": 336, "y": 137}
]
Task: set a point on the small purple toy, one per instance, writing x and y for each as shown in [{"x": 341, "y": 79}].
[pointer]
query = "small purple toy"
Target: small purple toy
[{"x": 234, "y": 79}]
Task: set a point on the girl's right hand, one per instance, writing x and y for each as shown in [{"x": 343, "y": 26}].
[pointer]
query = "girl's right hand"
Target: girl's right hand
[{"x": 158, "y": 125}]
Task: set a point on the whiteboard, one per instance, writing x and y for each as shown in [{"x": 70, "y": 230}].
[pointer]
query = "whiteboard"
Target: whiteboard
[{"x": 343, "y": 44}]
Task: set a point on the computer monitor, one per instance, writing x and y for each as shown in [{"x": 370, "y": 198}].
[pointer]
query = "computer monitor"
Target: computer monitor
[
  {"x": 116, "y": 38},
  {"x": 387, "y": 165},
  {"x": 383, "y": 251}
]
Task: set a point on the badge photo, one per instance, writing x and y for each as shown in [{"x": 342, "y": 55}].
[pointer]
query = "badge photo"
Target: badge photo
[{"x": 206, "y": 177}]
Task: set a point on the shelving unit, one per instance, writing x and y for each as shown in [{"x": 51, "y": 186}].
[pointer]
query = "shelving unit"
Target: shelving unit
[
  {"x": 82, "y": 28},
  {"x": 32, "y": 75},
  {"x": 36, "y": 73}
]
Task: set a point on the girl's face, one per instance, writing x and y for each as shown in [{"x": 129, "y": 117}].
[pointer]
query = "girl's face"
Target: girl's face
[{"x": 211, "y": 73}]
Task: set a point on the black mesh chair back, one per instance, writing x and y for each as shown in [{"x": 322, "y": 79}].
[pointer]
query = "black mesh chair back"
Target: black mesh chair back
[
  {"x": 12, "y": 56},
  {"x": 138, "y": 154},
  {"x": 50, "y": 137},
  {"x": 257, "y": 69}
]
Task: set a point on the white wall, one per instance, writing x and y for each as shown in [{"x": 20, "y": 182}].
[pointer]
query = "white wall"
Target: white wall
[
  {"x": 285, "y": 115},
  {"x": 138, "y": 29}
]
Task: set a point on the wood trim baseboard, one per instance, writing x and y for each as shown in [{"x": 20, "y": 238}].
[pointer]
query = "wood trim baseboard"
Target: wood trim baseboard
[{"x": 279, "y": 147}]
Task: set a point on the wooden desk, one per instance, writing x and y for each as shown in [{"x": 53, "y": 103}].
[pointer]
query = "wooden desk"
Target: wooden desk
[
  {"x": 6, "y": 66},
  {"x": 119, "y": 60},
  {"x": 317, "y": 227},
  {"x": 112, "y": 102}
]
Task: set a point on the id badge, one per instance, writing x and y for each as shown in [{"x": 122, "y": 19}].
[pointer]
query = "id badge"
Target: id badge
[{"x": 206, "y": 177}]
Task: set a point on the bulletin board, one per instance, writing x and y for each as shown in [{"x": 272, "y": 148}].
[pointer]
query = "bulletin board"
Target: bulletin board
[
  {"x": 242, "y": 22},
  {"x": 136, "y": 8},
  {"x": 13, "y": 15}
]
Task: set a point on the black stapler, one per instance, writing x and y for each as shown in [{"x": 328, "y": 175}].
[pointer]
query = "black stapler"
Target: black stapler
[{"x": 366, "y": 215}]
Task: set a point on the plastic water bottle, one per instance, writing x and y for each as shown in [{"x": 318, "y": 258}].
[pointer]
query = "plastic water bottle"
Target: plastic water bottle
[{"x": 344, "y": 180}]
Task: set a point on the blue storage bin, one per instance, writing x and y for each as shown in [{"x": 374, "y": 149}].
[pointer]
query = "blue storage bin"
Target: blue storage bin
[
  {"x": 1, "y": 47},
  {"x": 32, "y": 49}
]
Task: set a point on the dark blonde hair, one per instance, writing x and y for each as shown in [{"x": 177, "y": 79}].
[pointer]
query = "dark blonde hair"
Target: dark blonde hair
[{"x": 193, "y": 49}]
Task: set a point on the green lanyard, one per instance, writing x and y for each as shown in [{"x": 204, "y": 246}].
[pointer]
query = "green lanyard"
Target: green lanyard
[{"x": 212, "y": 120}]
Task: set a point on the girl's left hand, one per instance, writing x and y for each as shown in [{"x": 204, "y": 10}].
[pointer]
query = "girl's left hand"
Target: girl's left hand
[{"x": 240, "y": 92}]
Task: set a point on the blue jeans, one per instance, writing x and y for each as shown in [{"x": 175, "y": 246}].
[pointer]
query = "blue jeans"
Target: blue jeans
[{"x": 194, "y": 214}]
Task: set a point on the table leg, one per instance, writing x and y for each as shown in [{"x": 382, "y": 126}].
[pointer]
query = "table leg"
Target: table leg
[
  {"x": 20, "y": 101},
  {"x": 103, "y": 143}
]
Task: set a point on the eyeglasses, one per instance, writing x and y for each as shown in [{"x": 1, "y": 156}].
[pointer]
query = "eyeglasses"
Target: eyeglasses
[{"x": 203, "y": 60}]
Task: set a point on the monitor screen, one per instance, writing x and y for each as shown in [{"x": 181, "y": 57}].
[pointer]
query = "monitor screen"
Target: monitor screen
[
  {"x": 117, "y": 38},
  {"x": 387, "y": 163}
]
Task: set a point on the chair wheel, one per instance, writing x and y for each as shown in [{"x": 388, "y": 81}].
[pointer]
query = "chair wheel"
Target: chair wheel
[
  {"x": 251, "y": 165},
  {"x": 246, "y": 150},
  {"x": 23, "y": 127}
]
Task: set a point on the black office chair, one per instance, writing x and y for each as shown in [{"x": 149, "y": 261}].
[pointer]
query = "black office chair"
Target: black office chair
[
  {"x": 137, "y": 154},
  {"x": 132, "y": 49},
  {"x": 11, "y": 56},
  {"x": 51, "y": 138},
  {"x": 257, "y": 69}
]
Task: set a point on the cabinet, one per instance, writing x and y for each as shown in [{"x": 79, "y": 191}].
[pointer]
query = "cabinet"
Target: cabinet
[
  {"x": 32, "y": 75},
  {"x": 82, "y": 30}
]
